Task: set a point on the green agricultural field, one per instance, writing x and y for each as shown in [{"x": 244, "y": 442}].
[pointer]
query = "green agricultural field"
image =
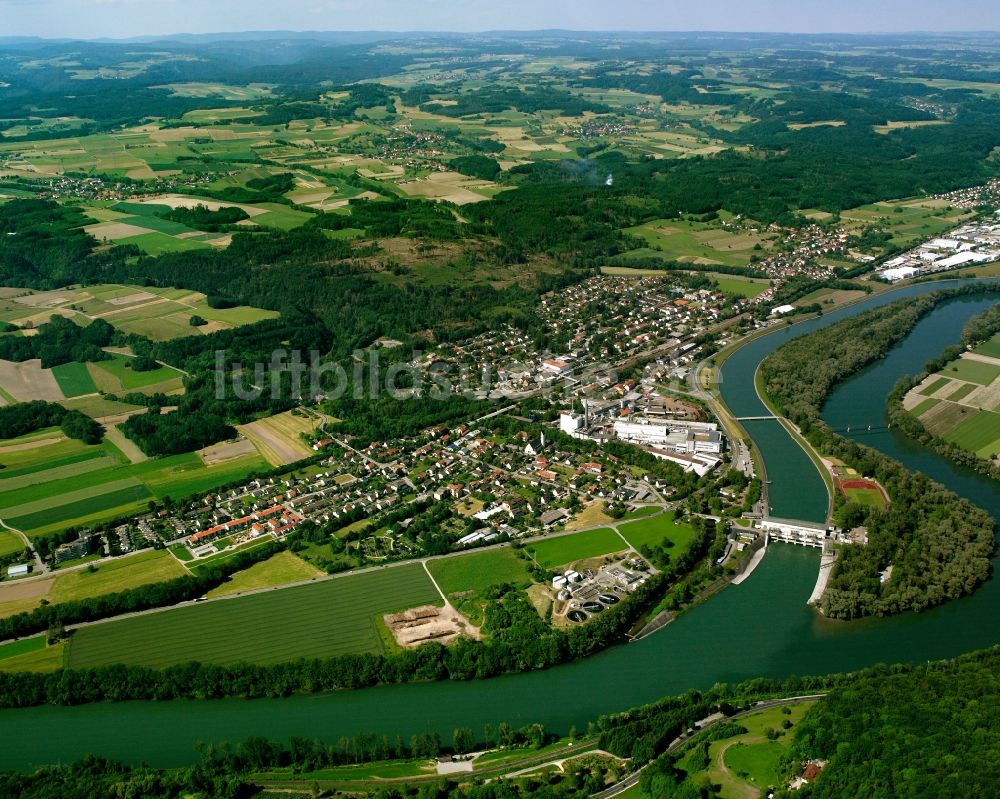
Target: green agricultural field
[
  {"x": 477, "y": 571},
  {"x": 10, "y": 543},
  {"x": 990, "y": 348},
  {"x": 116, "y": 575},
  {"x": 160, "y": 243},
  {"x": 935, "y": 386},
  {"x": 22, "y": 647},
  {"x": 735, "y": 287},
  {"x": 116, "y": 375},
  {"x": 972, "y": 371},
  {"x": 324, "y": 619},
  {"x": 46, "y": 659},
  {"x": 283, "y": 568},
  {"x": 74, "y": 380},
  {"x": 179, "y": 476},
  {"x": 66, "y": 483},
  {"x": 565, "y": 549},
  {"x": 98, "y": 407},
  {"x": 979, "y": 433},
  {"x": 924, "y": 406},
  {"x": 654, "y": 531},
  {"x": 700, "y": 242},
  {"x": 962, "y": 392},
  {"x": 909, "y": 221}
]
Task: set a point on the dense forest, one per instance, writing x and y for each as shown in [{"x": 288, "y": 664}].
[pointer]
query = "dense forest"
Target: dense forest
[
  {"x": 938, "y": 543},
  {"x": 927, "y": 730}
]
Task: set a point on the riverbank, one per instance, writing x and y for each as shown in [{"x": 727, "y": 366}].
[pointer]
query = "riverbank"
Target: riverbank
[{"x": 724, "y": 639}]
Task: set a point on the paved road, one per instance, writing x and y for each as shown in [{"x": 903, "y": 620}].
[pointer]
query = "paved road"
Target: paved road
[{"x": 633, "y": 778}]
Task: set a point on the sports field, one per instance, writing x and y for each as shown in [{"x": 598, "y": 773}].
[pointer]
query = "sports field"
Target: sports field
[
  {"x": 328, "y": 618},
  {"x": 568, "y": 548},
  {"x": 656, "y": 530},
  {"x": 479, "y": 570}
]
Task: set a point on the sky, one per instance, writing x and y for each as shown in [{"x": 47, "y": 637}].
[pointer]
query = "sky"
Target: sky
[{"x": 125, "y": 18}]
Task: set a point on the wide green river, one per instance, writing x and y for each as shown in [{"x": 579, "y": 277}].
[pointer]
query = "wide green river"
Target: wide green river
[{"x": 762, "y": 627}]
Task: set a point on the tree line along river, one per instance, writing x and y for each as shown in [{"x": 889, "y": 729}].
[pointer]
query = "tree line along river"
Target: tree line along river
[{"x": 762, "y": 627}]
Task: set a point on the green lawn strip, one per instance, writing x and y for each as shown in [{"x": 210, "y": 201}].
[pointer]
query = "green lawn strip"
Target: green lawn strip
[
  {"x": 322, "y": 619},
  {"x": 69, "y": 471},
  {"x": 938, "y": 384},
  {"x": 22, "y": 647},
  {"x": 568, "y": 548},
  {"x": 74, "y": 380},
  {"x": 41, "y": 456},
  {"x": 654, "y": 531},
  {"x": 108, "y": 505},
  {"x": 962, "y": 392},
  {"x": 388, "y": 769},
  {"x": 640, "y": 513},
  {"x": 32, "y": 498},
  {"x": 924, "y": 406},
  {"x": 182, "y": 553},
  {"x": 49, "y": 658},
  {"x": 479, "y": 570}
]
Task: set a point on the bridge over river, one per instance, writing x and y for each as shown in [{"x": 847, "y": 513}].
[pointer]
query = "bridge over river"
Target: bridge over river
[{"x": 761, "y": 627}]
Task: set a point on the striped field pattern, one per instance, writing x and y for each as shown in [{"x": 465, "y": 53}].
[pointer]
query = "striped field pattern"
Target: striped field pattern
[{"x": 328, "y": 618}]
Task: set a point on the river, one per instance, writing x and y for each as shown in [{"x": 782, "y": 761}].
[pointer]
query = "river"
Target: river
[{"x": 762, "y": 627}]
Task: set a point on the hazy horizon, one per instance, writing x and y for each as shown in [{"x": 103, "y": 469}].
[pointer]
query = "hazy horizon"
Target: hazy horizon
[{"x": 93, "y": 19}]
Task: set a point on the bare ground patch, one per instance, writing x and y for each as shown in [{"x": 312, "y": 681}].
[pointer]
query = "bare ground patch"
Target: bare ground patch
[
  {"x": 21, "y": 596},
  {"x": 113, "y": 231},
  {"x": 429, "y": 623},
  {"x": 28, "y": 381},
  {"x": 944, "y": 417},
  {"x": 226, "y": 451}
]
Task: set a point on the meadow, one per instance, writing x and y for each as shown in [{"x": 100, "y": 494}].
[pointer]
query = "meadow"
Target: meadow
[
  {"x": 909, "y": 221},
  {"x": 477, "y": 571},
  {"x": 157, "y": 313},
  {"x": 283, "y": 568},
  {"x": 565, "y": 549},
  {"x": 700, "y": 242},
  {"x": 325, "y": 619},
  {"x": 97, "y": 579},
  {"x": 654, "y": 531}
]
